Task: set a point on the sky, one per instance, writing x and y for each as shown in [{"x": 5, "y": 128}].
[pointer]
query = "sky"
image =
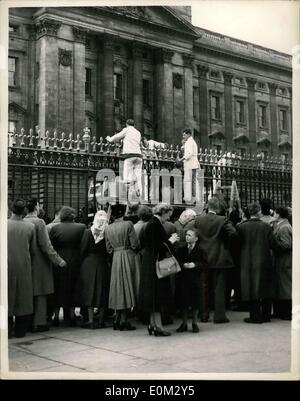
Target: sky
[{"x": 273, "y": 24}]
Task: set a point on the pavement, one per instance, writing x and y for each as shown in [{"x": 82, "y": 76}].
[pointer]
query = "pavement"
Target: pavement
[{"x": 217, "y": 348}]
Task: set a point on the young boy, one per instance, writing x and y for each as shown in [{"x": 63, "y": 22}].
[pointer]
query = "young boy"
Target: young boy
[{"x": 192, "y": 262}]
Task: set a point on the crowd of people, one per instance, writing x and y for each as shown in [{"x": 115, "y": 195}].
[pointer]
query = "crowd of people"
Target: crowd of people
[{"x": 108, "y": 269}]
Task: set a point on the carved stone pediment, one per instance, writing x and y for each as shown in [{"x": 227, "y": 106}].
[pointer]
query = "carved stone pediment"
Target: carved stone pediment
[
  {"x": 263, "y": 137},
  {"x": 17, "y": 108},
  {"x": 132, "y": 11}
]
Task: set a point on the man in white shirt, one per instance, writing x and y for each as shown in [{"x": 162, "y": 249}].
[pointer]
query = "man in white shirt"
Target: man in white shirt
[
  {"x": 132, "y": 169},
  {"x": 190, "y": 166}
]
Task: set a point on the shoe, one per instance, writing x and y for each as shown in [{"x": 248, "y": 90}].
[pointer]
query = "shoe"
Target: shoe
[
  {"x": 150, "y": 330},
  {"x": 158, "y": 332},
  {"x": 20, "y": 335},
  {"x": 55, "y": 322},
  {"x": 249, "y": 320},
  {"x": 204, "y": 320},
  {"x": 286, "y": 318},
  {"x": 221, "y": 321},
  {"x": 182, "y": 328},
  {"x": 195, "y": 328},
  {"x": 39, "y": 329},
  {"x": 126, "y": 326},
  {"x": 116, "y": 325},
  {"x": 88, "y": 325}
]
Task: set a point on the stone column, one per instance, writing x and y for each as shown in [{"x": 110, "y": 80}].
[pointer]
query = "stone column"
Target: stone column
[
  {"x": 252, "y": 113},
  {"x": 290, "y": 89},
  {"x": 33, "y": 72},
  {"x": 164, "y": 96},
  {"x": 273, "y": 117},
  {"x": 202, "y": 73},
  {"x": 228, "y": 109},
  {"x": 48, "y": 63},
  {"x": 137, "y": 87},
  {"x": 108, "y": 88},
  {"x": 79, "y": 80},
  {"x": 188, "y": 91}
]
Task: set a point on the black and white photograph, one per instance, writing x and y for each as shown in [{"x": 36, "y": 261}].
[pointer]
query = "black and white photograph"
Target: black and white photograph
[{"x": 148, "y": 190}]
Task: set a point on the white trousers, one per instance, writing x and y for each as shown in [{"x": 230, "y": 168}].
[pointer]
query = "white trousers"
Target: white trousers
[
  {"x": 191, "y": 185},
  {"x": 132, "y": 172}
]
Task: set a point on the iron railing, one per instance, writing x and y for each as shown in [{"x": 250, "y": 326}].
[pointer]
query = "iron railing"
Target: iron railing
[{"x": 61, "y": 170}]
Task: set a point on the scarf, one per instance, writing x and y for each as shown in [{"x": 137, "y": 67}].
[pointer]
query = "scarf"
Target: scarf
[
  {"x": 187, "y": 216},
  {"x": 99, "y": 224}
]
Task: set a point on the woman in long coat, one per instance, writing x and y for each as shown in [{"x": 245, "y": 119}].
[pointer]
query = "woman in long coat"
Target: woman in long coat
[
  {"x": 21, "y": 247},
  {"x": 283, "y": 261},
  {"x": 94, "y": 270},
  {"x": 122, "y": 242},
  {"x": 155, "y": 294},
  {"x": 66, "y": 238}
]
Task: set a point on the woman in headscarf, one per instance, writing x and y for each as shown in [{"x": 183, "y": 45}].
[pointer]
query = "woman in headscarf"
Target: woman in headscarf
[{"x": 94, "y": 271}]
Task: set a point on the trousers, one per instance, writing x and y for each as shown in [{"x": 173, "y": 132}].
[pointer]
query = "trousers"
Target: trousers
[
  {"x": 132, "y": 172},
  {"x": 190, "y": 185},
  {"x": 40, "y": 310}
]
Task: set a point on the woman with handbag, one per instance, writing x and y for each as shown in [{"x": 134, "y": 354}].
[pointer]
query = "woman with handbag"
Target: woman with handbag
[{"x": 155, "y": 293}]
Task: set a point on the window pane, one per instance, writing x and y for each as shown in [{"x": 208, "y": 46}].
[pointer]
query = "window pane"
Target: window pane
[
  {"x": 11, "y": 71},
  {"x": 118, "y": 87},
  {"x": 146, "y": 92},
  {"x": 11, "y": 126},
  {"x": 88, "y": 81}
]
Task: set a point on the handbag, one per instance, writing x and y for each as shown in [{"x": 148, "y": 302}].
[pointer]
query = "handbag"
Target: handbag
[{"x": 167, "y": 266}]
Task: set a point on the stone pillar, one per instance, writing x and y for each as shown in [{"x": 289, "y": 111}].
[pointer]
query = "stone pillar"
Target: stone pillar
[
  {"x": 164, "y": 96},
  {"x": 273, "y": 117},
  {"x": 202, "y": 73},
  {"x": 228, "y": 109},
  {"x": 108, "y": 88},
  {"x": 48, "y": 92},
  {"x": 33, "y": 72},
  {"x": 290, "y": 89},
  {"x": 137, "y": 87},
  {"x": 79, "y": 80},
  {"x": 188, "y": 91},
  {"x": 252, "y": 113}
]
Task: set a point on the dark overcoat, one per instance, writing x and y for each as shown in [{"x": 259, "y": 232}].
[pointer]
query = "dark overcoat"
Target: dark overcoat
[
  {"x": 258, "y": 278},
  {"x": 42, "y": 269},
  {"x": 66, "y": 238},
  {"x": 283, "y": 258},
  {"x": 21, "y": 248},
  {"x": 215, "y": 235},
  {"x": 94, "y": 272},
  {"x": 155, "y": 294}
]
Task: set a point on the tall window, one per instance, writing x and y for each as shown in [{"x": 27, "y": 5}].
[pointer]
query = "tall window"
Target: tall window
[
  {"x": 88, "y": 82},
  {"x": 215, "y": 107},
  {"x": 146, "y": 92},
  {"x": 240, "y": 112},
  {"x": 11, "y": 126},
  {"x": 118, "y": 87},
  {"x": 283, "y": 119},
  {"x": 262, "y": 116},
  {"x": 12, "y": 71},
  {"x": 195, "y": 102}
]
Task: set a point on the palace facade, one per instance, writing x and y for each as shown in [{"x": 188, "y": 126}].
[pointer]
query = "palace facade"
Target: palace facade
[{"x": 72, "y": 67}]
